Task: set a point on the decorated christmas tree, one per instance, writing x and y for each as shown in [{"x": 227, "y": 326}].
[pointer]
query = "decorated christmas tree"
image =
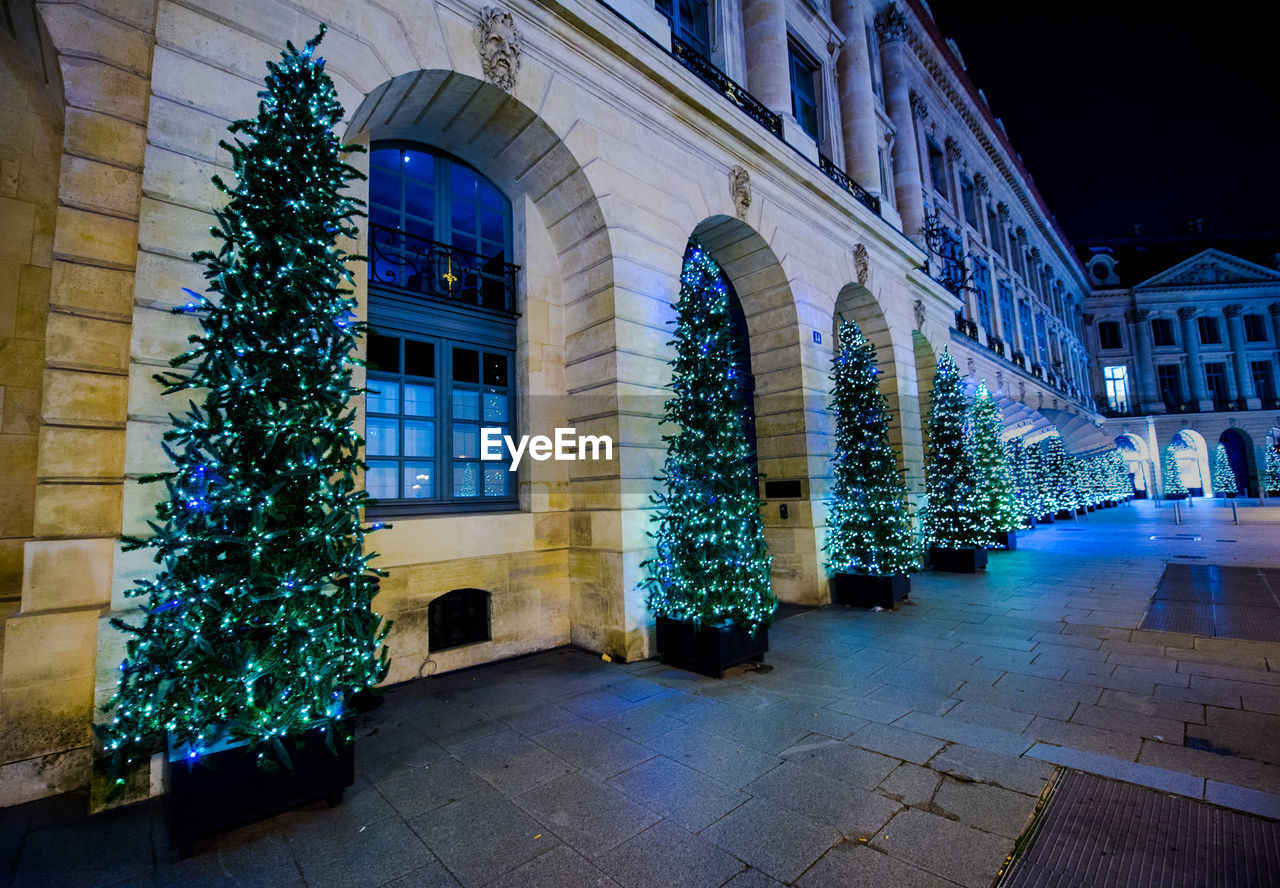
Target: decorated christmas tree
[
  {"x": 258, "y": 625},
  {"x": 711, "y": 564},
  {"x": 868, "y": 527},
  {"x": 1121, "y": 483},
  {"x": 1224, "y": 477},
  {"x": 1272, "y": 467},
  {"x": 951, "y": 519},
  {"x": 994, "y": 496},
  {"x": 1173, "y": 486}
]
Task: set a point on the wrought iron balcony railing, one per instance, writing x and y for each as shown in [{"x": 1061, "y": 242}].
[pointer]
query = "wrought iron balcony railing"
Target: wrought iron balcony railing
[
  {"x": 966, "y": 326},
  {"x": 860, "y": 194},
  {"x": 407, "y": 262},
  {"x": 717, "y": 80},
  {"x": 1020, "y": 359},
  {"x": 996, "y": 344}
]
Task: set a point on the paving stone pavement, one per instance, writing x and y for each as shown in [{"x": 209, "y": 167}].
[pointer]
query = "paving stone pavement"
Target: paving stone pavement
[{"x": 903, "y": 748}]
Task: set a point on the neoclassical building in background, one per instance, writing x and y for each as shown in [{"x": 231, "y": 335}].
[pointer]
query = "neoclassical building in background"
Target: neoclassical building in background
[
  {"x": 536, "y": 173},
  {"x": 1184, "y": 335}
]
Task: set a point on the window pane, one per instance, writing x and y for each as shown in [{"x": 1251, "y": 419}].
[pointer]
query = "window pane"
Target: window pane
[
  {"x": 380, "y": 480},
  {"x": 463, "y": 183},
  {"x": 419, "y": 400},
  {"x": 383, "y": 397},
  {"x": 495, "y": 480},
  {"x": 495, "y": 369},
  {"x": 495, "y": 407},
  {"x": 419, "y": 358},
  {"x": 419, "y": 480},
  {"x": 384, "y": 353},
  {"x": 384, "y": 159},
  {"x": 420, "y": 198},
  {"x": 466, "y": 405},
  {"x": 419, "y": 164},
  {"x": 466, "y": 479},
  {"x": 464, "y": 216},
  {"x": 382, "y": 437},
  {"x": 466, "y": 441},
  {"x": 493, "y": 225},
  {"x": 419, "y": 438},
  {"x": 421, "y": 229},
  {"x": 384, "y": 197},
  {"x": 466, "y": 365}
]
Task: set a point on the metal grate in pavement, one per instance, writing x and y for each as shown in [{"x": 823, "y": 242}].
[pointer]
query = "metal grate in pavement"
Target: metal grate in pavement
[
  {"x": 1102, "y": 833},
  {"x": 1216, "y": 601}
]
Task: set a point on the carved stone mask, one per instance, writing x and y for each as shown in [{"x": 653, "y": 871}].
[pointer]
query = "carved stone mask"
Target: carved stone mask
[{"x": 499, "y": 45}]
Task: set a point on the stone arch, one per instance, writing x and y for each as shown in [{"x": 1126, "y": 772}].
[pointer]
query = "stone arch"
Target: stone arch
[
  {"x": 1240, "y": 453},
  {"x": 1192, "y": 454},
  {"x": 1136, "y": 456},
  {"x": 857, "y": 303}
]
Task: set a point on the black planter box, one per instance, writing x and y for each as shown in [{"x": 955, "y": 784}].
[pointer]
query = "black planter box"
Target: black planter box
[
  {"x": 1006, "y": 540},
  {"x": 1065, "y": 514},
  {"x": 1175, "y": 496},
  {"x": 709, "y": 650},
  {"x": 866, "y": 590},
  {"x": 226, "y": 788},
  {"x": 958, "y": 560},
  {"x": 1090, "y": 508},
  {"x": 1047, "y": 519}
]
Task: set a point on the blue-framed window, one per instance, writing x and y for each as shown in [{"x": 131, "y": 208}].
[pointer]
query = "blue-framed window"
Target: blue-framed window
[
  {"x": 441, "y": 353},
  {"x": 1006, "y": 310},
  {"x": 1042, "y": 339},
  {"x": 982, "y": 293},
  {"x": 690, "y": 21},
  {"x": 1028, "y": 337},
  {"x": 804, "y": 90}
]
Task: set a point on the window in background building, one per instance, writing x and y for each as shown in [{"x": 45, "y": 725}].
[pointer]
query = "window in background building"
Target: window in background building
[
  {"x": 1255, "y": 328},
  {"x": 1006, "y": 310},
  {"x": 1162, "y": 331},
  {"x": 1215, "y": 377},
  {"x": 969, "y": 198},
  {"x": 994, "y": 234},
  {"x": 1109, "y": 335},
  {"x": 982, "y": 294},
  {"x": 690, "y": 23},
  {"x": 1117, "y": 381},
  {"x": 804, "y": 90},
  {"x": 873, "y": 59},
  {"x": 441, "y": 355},
  {"x": 1042, "y": 339},
  {"x": 1209, "y": 333},
  {"x": 1169, "y": 377},
  {"x": 886, "y": 180},
  {"x": 938, "y": 168},
  {"x": 1264, "y": 383},
  {"x": 1028, "y": 337}
]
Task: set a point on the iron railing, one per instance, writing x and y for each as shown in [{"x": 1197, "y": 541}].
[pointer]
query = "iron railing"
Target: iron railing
[
  {"x": 837, "y": 175},
  {"x": 407, "y": 262},
  {"x": 717, "y": 80}
]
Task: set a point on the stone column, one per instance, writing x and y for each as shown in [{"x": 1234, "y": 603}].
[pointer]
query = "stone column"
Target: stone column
[
  {"x": 764, "y": 26},
  {"x": 903, "y": 107},
  {"x": 1240, "y": 357},
  {"x": 861, "y": 130},
  {"x": 1140, "y": 330},
  {"x": 1191, "y": 346}
]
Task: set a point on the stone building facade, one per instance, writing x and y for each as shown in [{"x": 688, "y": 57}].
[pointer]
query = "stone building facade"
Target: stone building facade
[
  {"x": 833, "y": 157},
  {"x": 1186, "y": 355}
]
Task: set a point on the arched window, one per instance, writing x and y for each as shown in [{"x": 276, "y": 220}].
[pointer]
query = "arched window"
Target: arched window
[{"x": 441, "y": 354}]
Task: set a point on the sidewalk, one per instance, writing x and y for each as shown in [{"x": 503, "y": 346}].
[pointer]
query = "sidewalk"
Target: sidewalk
[{"x": 898, "y": 748}]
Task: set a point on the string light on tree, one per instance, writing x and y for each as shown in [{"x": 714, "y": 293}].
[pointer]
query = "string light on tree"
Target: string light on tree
[
  {"x": 868, "y": 526},
  {"x": 1173, "y": 486},
  {"x": 951, "y": 519},
  {"x": 1224, "y": 477},
  {"x": 258, "y": 624},
  {"x": 993, "y": 494},
  {"x": 711, "y": 564}
]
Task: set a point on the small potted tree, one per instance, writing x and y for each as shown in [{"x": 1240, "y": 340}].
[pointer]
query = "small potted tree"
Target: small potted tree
[
  {"x": 708, "y": 581},
  {"x": 1272, "y": 469},
  {"x": 994, "y": 495},
  {"x": 258, "y": 629},
  {"x": 952, "y": 522},
  {"x": 870, "y": 546}
]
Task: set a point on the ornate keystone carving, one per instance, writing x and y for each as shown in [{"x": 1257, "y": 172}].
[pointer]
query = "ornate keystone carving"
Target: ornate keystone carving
[
  {"x": 499, "y": 45},
  {"x": 740, "y": 190},
  {"x": 891, "y": 24},
  {"x": 918, "y": 308},
  {"x": 860, "y": 263},
  {"x": 1088, "y": 320},
  {"x": 1002, "y": 210},
  {"x": 1136, "y": 315}
]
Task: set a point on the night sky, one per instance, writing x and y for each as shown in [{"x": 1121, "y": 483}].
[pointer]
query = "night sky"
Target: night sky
[{"x": 1129, "y": 112}]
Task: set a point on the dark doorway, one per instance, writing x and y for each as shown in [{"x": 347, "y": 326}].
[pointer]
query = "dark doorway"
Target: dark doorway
[
  {"x": 457, "y": 618},
  {"x": 1239, "y": 454}
]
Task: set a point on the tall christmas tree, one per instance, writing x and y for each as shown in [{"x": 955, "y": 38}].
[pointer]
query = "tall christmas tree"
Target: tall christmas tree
[
  {"x": 1173, "y": 486},
  {"x": 994, "y": 497},
  {"x": 1272, "y": 467},
  {"x": 1224, "y": 477},
  {"x": 951, "y": 518},
  {"x": 258, "y": 625},
  {"x": 1058, "y": 474},
  {"x": 711, "y": 564},
  {"x": 868, "y": 527}
]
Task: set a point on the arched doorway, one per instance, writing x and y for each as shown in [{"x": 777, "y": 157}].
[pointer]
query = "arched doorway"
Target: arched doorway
[
  {"x": 1134, "y": 451},
  {"x": 1192, "y": 454},
  {"x": 1240, "y": 455}
]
